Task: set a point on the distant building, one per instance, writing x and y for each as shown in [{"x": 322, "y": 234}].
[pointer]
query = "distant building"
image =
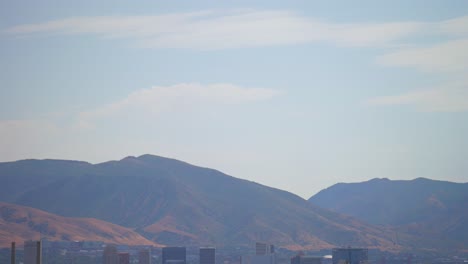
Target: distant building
[
  {"x": 174, "y": 255},
  {"x": 124, "y": 258},
  {"x": 13, "y": 253},
  {"x": 109, "y": 255},
  {"x": 264, "y": 254},
  {"x": 144, "y": 256},
  {"x": 299, "y": 259},
  {"x": 264, "y": 249},
  {"x": 32, "y": 252},
  {"x": 207, "y": 255},
  {"x": 350, "y": 256},
  {"x": 327, "y": 259}
]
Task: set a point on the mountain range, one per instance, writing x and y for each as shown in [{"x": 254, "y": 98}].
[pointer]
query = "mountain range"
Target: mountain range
[
  {"x": 431, "y": 208},
  {"x": 171, "y": 202}
]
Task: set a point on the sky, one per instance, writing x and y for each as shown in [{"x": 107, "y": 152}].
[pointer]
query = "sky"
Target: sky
[{"x": 297, "y": 95}]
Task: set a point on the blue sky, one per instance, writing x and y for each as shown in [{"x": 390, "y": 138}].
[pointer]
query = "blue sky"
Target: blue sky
[{"x": 297, "y": 95}]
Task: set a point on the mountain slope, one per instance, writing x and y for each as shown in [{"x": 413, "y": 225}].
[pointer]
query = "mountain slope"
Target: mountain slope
[
  {"x": 421, "y": 207},
  {"x": 19, "y": 223},
  {"x": 173, "y": 202}
]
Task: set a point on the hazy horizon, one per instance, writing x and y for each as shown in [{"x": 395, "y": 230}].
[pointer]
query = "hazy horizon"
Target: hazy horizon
[{"x": 307, "y": 196}]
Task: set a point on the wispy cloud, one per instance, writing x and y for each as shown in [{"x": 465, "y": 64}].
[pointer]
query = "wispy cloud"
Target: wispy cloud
[
  {"x": 446, "y": 98},
  {"x": 443, "y": 51},
  {"x": 448, "y": 59},
  {"x": 177, "y": 98},
  {"x": 445, "y": 57},
  {"x": 226, "y": 29},
  {"x": 453, "y": 27},
  {"x": 223, "y": 29},
  {"x": 450, "y": 56}
]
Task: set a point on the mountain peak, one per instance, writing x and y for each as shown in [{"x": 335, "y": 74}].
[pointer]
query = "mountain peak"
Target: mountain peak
[
  {"x": 150, "y": 156},
  {"x": 422, "y": 179},
  {"x": 131, "y": 160},
  {"x": 380, "y": 180},
  {"x": 155, "y": 159},
  {"x": 128, "y": 158},
  {"x": 148, "y": 160}
]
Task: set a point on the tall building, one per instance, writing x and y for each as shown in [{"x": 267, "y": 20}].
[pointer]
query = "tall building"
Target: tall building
[
  {"x": 207, "y": 255},
  {"x": 124, "y": 258},
  {"x": 174, "y": 255},
  {"x": 32, "y": 252},
  {"x": 110, "y": 256},
  {"x": 300, "y": 259},
  {"x": 144, "y": 256},
  {"x": 264, "y": 254},
  {"x": 263, "y": 248},
  {"x": 13, "y": 253},
  {"x": 350, "y": 256}
]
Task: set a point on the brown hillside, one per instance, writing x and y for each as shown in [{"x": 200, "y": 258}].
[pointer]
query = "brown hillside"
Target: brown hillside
[{"x": 19, "y": 223}]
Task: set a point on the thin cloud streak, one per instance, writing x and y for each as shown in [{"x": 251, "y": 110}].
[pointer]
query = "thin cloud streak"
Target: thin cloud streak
[
  {"x": 454, "y": 27},
  {"x": 226, "y": 29},
  {"x": 447, "y": 98},
  {"x": 183, "y": 97},
  {"x": 447, "y": 58},
  {"x": 450, "y": 56}
]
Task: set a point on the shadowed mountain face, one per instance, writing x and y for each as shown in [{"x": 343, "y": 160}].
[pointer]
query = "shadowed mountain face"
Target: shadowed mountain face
[
  {"x": 18, "y": 223},
  {"x": 172, "y": 202},
  {"x": 421, "y": 207}
]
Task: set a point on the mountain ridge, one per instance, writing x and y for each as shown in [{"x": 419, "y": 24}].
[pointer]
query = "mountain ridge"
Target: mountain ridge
[
  {"x": 420, "y": 206},
  {"x": 174, "y": 202}
]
